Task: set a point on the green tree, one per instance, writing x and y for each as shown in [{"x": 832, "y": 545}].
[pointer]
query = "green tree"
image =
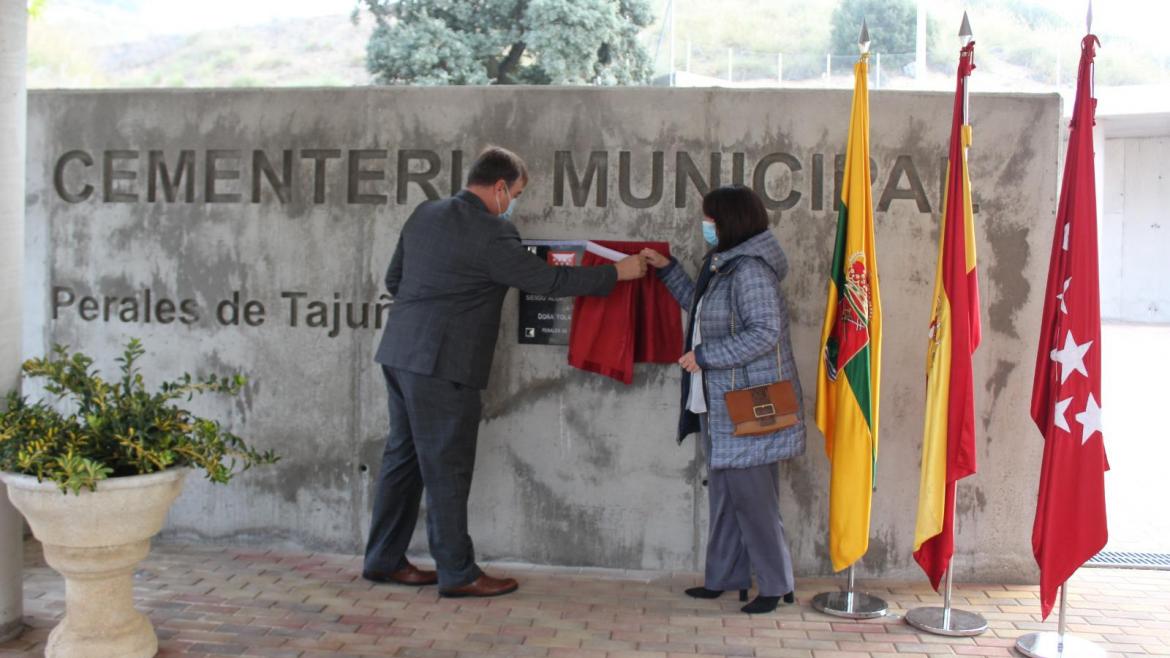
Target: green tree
[
  {"x": 892, "y": 25},
  {"x": 461, "y": 42}
]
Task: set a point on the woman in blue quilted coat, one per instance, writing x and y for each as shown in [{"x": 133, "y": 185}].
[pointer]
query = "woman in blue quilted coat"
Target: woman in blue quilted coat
[{"x": 738, "y": 284}]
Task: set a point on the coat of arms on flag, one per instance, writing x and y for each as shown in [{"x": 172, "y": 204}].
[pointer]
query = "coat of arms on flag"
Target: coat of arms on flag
[
  {"x": 851, "y": 334},
  {"x": 562, "y": 258}
]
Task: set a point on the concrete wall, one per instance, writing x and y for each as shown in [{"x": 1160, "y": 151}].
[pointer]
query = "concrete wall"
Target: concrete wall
[
  {"x": 1135, "y": 230},
  {"x": 13, "y": 110},
  {"x": 573, "y": 468}
]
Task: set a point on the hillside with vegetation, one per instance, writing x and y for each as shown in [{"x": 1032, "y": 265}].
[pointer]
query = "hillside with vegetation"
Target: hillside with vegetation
[
  {"x": 81, "y": 43},
  {"x": 1021, "y": 44}
]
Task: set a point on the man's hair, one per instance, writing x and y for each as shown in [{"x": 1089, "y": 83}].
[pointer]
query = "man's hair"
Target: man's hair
[
  {"x": 738, "y": 212},
  {"x": 496, "y": 163}
]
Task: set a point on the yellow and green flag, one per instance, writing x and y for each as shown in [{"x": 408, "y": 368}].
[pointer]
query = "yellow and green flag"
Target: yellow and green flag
[{"x": 851, "y": 347}]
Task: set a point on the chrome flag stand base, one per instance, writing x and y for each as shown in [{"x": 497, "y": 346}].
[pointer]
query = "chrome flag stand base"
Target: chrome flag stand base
[
  {"x": 1051, "y": 645},
  {"x": 940, "y": 621},
  {"x": 850, "y": 603},
  {"x": 1059, "y": 644},
  {"x": 946, "y": 620}
]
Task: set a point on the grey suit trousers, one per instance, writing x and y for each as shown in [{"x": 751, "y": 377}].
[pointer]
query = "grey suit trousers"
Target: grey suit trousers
[
  {"x": 434, "y": 425},
  {"x": 746, "y": 531}
]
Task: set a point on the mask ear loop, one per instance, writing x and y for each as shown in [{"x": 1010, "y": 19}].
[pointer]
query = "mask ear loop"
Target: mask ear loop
[{"x": 508, "y": 191}]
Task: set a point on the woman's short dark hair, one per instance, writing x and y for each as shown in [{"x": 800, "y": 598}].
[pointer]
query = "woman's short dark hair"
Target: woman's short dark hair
[
  {"x": 738, "y": 212},
  {"x": 496, "y": 163}
]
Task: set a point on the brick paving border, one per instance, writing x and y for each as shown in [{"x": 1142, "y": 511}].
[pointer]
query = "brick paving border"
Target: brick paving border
[{"x": 210, "y": 602}]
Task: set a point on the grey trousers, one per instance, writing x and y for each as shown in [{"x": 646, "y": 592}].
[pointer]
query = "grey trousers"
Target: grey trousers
[
  {"x": 434, "y": 425},
  {"x": 746, "y": 531}
]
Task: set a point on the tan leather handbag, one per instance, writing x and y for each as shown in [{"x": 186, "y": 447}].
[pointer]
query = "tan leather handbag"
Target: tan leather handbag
[{"x": 761, "y": 409}]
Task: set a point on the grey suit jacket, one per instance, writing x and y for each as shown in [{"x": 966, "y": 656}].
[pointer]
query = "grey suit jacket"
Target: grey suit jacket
[{"x": 451, "y": 269}]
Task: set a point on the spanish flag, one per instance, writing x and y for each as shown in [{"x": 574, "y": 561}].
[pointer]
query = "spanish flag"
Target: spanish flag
[
  {"x": 851, "y": 347},
  {"x": 948, "y": 444}
]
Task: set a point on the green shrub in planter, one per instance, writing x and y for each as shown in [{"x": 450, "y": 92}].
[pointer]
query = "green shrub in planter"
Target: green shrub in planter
[{"x": 113, "y": 429}]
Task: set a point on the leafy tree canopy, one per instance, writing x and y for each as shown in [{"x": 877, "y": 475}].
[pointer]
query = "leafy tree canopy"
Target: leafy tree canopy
[
  {"x": 892, "y": 25},
  {"x": 459, "y": 42}
]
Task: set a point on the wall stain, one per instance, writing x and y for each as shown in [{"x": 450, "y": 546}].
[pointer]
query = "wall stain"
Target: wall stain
[
  {"x": 996, "y": 383},
  {"x": 302, "y": 473},
  {"x": 558, "y": 530},
  {"x": 1012, "y": 254},
  {"x": 529, "y": 393},
  {"x": 970, "y": 501},
  {"x": 595, "y": 450},
  {"x": 883, "y": 552}
]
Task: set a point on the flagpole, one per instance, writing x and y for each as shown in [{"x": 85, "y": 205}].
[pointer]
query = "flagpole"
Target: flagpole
[
  {"x": 947, "y": 620},
  {"x": 1060, "y": 644},
  {"x": 850, "y": 603}
]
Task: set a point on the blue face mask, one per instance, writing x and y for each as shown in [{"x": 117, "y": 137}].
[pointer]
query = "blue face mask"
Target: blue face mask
[
  {"x": 506, "y": 215},
  {"x": 709, "y": 233}
]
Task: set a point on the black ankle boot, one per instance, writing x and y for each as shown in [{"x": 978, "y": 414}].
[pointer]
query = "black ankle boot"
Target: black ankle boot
[
  {"x": 704, "y": 593},
  {"x": 762, "y": 605}
]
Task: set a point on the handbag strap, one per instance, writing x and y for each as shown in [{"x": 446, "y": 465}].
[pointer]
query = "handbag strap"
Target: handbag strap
[{"x": 779, "y": 367}]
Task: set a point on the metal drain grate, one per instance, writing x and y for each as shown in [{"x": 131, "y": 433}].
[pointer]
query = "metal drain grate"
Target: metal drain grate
[{"x": 1124, "y": 560}]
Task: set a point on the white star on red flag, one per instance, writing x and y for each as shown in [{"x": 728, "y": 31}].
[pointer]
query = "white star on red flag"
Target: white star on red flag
[
  {"x": 1061, "y": 417},
  {"x": 1072, "y": 357},
  {"x": 1063, "y": 307},
  {"x": 1090, "y": 419}
]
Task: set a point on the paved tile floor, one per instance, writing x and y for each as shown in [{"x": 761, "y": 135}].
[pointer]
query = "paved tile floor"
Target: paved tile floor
[{"x": 211, "y": 601}]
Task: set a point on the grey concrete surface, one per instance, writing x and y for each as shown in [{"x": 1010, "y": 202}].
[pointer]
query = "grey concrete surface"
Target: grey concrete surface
[
  {"x": 573, "y": 469},
  {"x": 13, "y": 108},
  {"x": 1135, "y": 230}
]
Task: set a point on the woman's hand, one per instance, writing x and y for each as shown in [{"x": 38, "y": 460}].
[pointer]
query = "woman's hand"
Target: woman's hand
[
  {"x": 654, "y": 258},
  {"x": 688, "y": 362}
]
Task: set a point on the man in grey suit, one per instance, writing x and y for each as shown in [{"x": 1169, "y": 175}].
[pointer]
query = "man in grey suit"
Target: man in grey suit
[{"x": 456, "y": 259}]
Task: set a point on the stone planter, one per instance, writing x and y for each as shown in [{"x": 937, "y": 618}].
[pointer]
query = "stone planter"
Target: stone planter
[{"x": 94, "y": 540}]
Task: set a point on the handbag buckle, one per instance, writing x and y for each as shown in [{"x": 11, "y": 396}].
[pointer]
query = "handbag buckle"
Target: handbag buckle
[{"x": 764, "y": 410}]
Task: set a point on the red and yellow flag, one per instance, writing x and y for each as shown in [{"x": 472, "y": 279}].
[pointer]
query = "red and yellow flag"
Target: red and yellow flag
[
  {"x": 851, "y": 341},
  {"x": 948, "y": 444}
]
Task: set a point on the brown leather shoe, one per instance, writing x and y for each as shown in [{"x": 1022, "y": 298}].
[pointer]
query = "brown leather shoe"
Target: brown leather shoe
[
  {"x": 408, "y": 575},
  {"x": 485, "y": 585}
]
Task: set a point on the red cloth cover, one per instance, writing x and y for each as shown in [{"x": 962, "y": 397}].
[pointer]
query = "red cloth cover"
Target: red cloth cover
[{"x": 638, "y": 322}]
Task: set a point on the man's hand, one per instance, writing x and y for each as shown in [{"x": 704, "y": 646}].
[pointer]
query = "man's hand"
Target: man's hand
[
  {"x": 688, "y": 362},
  {"x": 631, "y": 267},
  {"x": 654, "y": 258}
]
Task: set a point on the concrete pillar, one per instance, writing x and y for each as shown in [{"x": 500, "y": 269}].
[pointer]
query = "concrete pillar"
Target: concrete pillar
[{"x": 13, "y": 113}]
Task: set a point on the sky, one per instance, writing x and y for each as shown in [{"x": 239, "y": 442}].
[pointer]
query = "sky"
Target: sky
[{"x": 1141, "y": 18}]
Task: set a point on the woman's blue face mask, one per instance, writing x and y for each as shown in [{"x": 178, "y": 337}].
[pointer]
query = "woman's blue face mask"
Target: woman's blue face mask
[{"x": 709, "y": 232}]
